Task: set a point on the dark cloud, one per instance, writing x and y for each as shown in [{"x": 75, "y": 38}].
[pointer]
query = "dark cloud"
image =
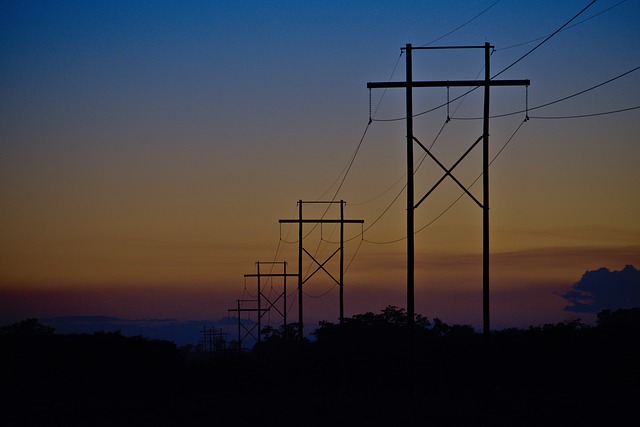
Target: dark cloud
[{"x": 604, "y": 289}]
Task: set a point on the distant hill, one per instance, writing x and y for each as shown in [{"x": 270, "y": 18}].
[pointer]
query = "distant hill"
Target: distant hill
[{"x": 181, "y": 332}]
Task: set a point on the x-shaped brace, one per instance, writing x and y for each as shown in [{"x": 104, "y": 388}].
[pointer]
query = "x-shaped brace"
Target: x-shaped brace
[
  {"x": 321, "y": 266},
  {"x": 272, "y": 304},
  {"x": 448, "y": 171}
]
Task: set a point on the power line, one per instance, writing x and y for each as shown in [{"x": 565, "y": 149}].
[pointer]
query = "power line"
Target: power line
[
  {"x": 587, "y": 90},
  {"x": 544, "y": 41},
  {"x": 557, "y": 100},
  {"x": 505, "y": 69},
  {"x": 566, "y": 28},
  {"x": 322, "y": 294},
  {"x": 404, "y": 175},
  {"x": 461, "y": 26},
  {"x": 580, "y": 116},
  {"x": 381, "y": 194},
  {"x": 454, "y": 202},
  {"x": 496, "y": 156},
  {"x": 353, "y": 157},
  {"x": 474, "y": 182},
  {"x": 424, "y": 156},
  {"x": 427, "y": 44},
  {"x": 350, "y": 163},
  {"x": 354, "y": 253},
  {"x": 347, "y": 167}
]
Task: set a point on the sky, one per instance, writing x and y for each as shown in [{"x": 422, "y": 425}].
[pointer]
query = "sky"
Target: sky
[{"x": 148, "y": 151}]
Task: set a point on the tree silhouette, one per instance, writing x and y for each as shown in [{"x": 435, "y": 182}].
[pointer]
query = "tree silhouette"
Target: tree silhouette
[{"x": 28, "y": 327}]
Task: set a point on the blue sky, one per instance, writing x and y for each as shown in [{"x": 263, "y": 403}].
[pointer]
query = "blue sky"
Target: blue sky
[{"x": 149, "y": 148}]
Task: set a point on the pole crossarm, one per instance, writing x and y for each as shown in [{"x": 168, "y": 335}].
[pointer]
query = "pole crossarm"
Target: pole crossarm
[
  {"x": 448, "y": 83},
  {"x": 484, "y": 46},
  {"x": 448, "y": 172},
  {"x": 271, "y": 275},
  {"x": 322, "y": 221}
]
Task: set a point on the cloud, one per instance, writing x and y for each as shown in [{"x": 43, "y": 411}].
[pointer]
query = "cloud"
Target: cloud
[{"x": 604, "y": 289}]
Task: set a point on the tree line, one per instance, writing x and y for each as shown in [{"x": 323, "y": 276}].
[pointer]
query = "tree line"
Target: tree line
[{"x": 371, "y": 367}]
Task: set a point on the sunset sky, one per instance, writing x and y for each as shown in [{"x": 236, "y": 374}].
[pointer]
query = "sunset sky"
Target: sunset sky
[{"x": 149, "y": 149}]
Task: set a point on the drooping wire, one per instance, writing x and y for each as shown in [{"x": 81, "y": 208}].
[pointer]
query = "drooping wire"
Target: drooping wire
[
  {"x": 586, "y": 90},
  {"x": 448, "y": 100},
  {"x": 322, "y": 294},
  {"x": 580, "y": 116},
  {"x": 361, "y": 234},
  {"x": 347, "y": 168},
  {"x": 381, "y": 194},
  {"x": 474, "y": 181},
  {"x": 424, "y": 156},
  {"x": 421, "y": 161},
  {"x": 461, "y": 26},
  {"x": 353, "y": 158},
  {"x": 503, "y": 70},
  {"x": 566, "y": 28},
  {"x": 545, "y": 40},
  {"x": 246, "y": 291},
  {"x": 293, "y": 301},
  {"x": 454, "y": 202},
  {"x": 356, "y": 251},
  {"x": 553, "y": 102},
  {"x": 285, "y": 240}
]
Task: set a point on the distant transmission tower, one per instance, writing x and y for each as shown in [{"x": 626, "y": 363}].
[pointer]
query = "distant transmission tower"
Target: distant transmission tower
[
  {"x": 272, "y": 302},
  {"x": 320, "y": 265}
]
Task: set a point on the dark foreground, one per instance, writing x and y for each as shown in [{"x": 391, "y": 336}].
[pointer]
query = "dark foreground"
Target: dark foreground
[{"x": 369, "y": 371}]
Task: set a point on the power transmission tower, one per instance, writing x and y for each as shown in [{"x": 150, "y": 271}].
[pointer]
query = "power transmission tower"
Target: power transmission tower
[
  {"x": 272, "y": 303},
  {"x": 212, "y": 341},
  {"x": 207, "y": 340},
  {"x": 409, "y": 84},
  {"x": 301, "y": 250},
  {"x": 219, "y": 340},
  {"x": 248, "y": 331}
]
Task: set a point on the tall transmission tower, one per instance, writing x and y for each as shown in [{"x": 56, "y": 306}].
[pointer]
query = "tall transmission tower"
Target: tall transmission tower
[{"x": 409, "y": 84}]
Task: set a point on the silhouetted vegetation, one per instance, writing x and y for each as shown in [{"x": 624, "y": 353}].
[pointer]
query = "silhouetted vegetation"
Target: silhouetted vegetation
[{"x": 369, "y": 370}]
